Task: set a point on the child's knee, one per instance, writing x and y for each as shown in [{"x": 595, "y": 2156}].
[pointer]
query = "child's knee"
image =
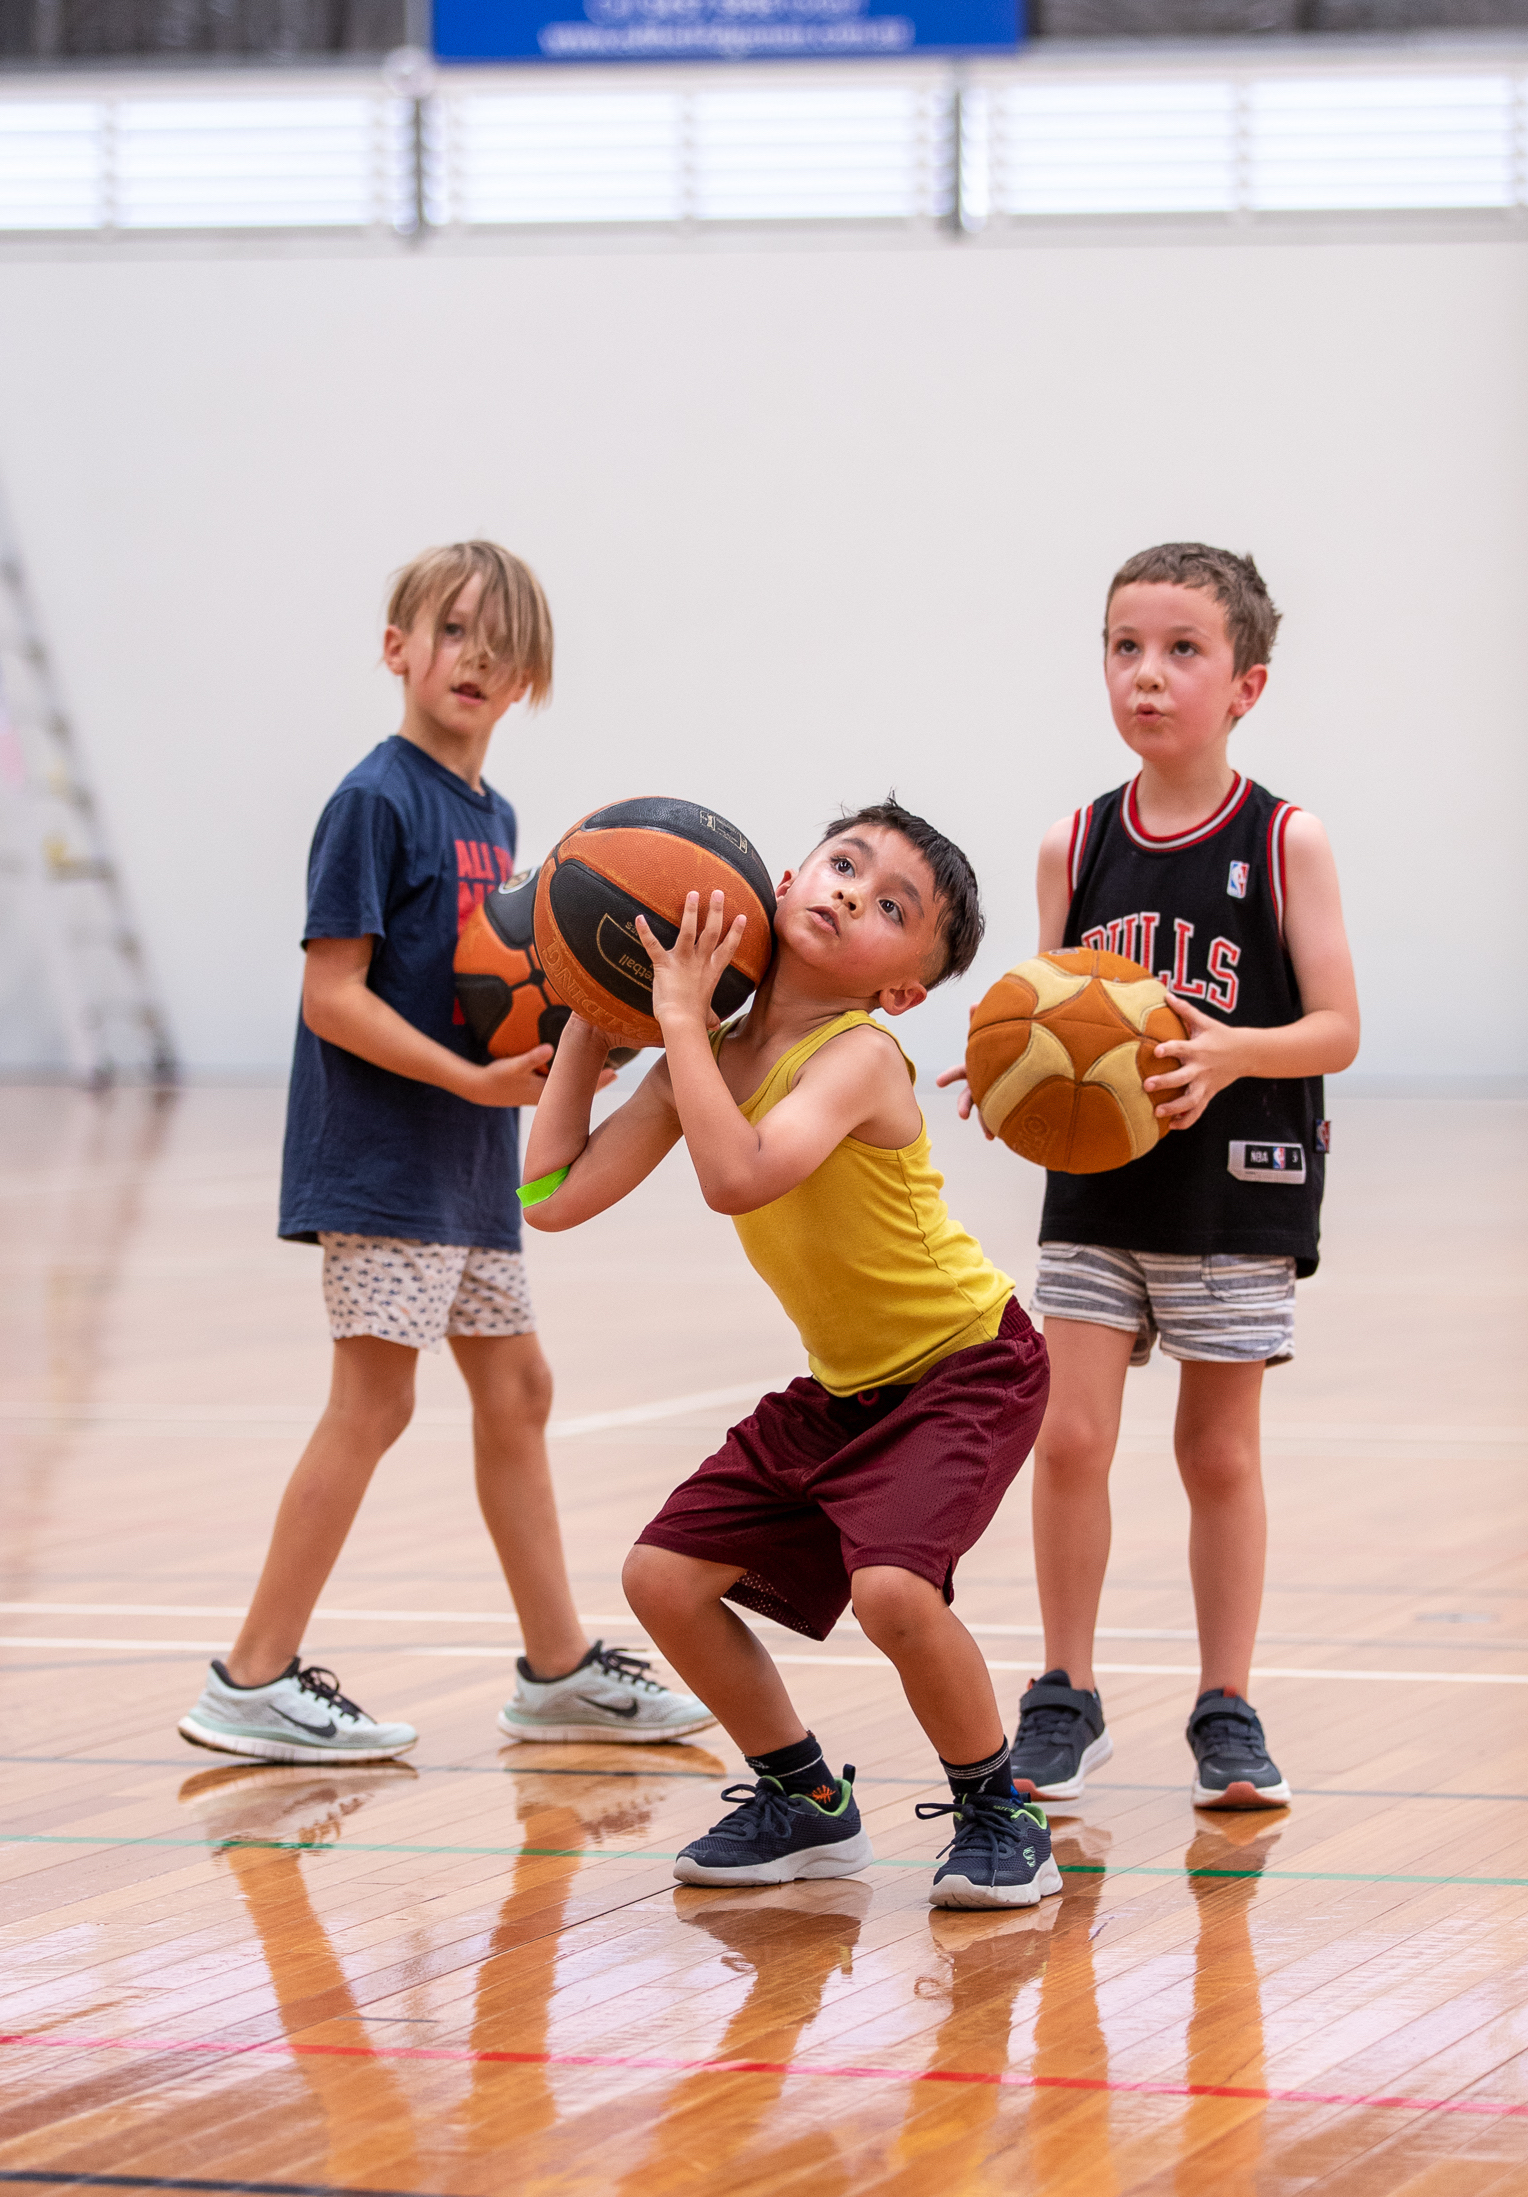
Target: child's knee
[
  {"x": 659, "y": 1582},
  {"x": 527, "y": 1390},
  {"x": 895, "y": 1605},
  {"x": 378, "y": 1416},
  {"x": 1076, "y": 1441},
  {"x": 1215, "y": 1464}
]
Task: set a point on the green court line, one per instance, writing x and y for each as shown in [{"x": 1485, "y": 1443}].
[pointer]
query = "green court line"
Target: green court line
[{"x": 582, "y": 1853}]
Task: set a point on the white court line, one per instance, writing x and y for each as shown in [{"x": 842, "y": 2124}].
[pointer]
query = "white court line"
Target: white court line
[
  {"x": 596, "y": 1620},
  {"x": 225, "y": 1418},
  {"x": 622, "y": 1621},
  {"x": 847, "y": 1662}
]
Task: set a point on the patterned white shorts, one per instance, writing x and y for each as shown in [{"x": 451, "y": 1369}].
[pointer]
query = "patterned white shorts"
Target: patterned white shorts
[
  {"x": 414, "y": 1293},
  {"x": 1226, "y": 1307}
]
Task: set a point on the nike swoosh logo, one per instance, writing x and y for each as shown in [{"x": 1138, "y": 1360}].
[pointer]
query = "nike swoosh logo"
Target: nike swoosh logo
[
  {"x": 314, "y": 1731},
  {"x": 612, "y": 1708}
]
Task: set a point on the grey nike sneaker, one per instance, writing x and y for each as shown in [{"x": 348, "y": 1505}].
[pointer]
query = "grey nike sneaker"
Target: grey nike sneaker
[
  {"x": 299, "y": 1717},
  {"x": 608, "y": 1696}
]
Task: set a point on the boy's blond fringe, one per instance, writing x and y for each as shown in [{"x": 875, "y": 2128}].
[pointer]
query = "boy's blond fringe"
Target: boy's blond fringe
[{"x": 513, "y": 624}]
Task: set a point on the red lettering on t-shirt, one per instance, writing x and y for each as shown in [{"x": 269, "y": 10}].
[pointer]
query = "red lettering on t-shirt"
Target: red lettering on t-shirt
[
  {"x": 1122, "y": 937},
  {"x": 1226, "y": 983},
  {"x": 1183, "y": 984}
]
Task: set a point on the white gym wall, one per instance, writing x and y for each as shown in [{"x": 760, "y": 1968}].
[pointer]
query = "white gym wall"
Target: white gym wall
[{"x": 816, "y": 520}]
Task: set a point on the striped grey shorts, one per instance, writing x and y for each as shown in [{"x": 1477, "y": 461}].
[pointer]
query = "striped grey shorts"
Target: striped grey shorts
[{"x": 1227, "y": 1307}]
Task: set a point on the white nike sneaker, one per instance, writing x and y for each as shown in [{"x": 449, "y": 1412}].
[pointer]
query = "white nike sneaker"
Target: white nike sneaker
[
  {"x": 299, "y": 1717},
  {"x": 608, "y": 1696}
]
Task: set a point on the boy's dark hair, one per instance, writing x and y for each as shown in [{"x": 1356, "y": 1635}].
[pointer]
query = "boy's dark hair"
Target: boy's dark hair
[
  {"x": 1235, "y": 583},
  {"x": 961, "y": 922}
]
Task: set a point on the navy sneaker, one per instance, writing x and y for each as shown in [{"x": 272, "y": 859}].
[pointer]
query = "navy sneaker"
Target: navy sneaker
[
  {"x": 774, "y": 1837},
  {"x": 1000, "y": 1855},
  {"x": 1060, "y": 1738},
  {"x": 1234, "y": 1767}
]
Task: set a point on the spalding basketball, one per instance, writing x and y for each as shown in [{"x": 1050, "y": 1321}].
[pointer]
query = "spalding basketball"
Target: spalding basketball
[
  {"x": 641, "y": 858},
  {"x": 1057, "y": 1054}
]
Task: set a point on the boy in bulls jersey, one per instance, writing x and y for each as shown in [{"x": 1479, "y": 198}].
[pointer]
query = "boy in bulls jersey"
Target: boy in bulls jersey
[{"x": 1230, "y": 896}]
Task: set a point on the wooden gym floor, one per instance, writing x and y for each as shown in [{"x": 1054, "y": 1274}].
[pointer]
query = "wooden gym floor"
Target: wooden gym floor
[{"x": 473, "y": 1974}]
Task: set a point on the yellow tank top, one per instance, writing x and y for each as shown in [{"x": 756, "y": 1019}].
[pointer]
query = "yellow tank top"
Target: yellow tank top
[{"x": 879, "y": 1280}]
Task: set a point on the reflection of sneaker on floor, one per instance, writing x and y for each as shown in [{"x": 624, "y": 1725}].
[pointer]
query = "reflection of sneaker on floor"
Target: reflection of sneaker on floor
[
  {"x": 820, "y": 1912},
  {"x": 1000, "y": 1855},
  {"x": 608, "y": 1696},
  {"x": 1060, "y": 1738},
  {"x": 775, "y": 1837},
  {"x": 251, "y": 1804},
  {"x": 299, "y": 1717},
  {"x": 1234, "y": 1767}
]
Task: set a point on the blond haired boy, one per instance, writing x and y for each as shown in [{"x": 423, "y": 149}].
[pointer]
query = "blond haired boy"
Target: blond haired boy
[{"x": 402, "y": 1161}]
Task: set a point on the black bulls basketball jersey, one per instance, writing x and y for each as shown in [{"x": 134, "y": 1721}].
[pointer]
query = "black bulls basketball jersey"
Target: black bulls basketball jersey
[{"x": 1203, "y": 910}]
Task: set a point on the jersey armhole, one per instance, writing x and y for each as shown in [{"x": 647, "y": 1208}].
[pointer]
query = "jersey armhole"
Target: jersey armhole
[
  {"x": 1081, "y": 822},
  {"x": 1278, "y": 825}
]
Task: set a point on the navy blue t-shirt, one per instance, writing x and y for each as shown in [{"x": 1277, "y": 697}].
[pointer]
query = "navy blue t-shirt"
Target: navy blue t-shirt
[{"x": 403, "y": 853}]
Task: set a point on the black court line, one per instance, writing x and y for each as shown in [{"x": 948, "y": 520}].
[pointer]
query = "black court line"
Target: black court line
[
  {"x": 704, "y": 1777},
  {"x": 167, "y": 2181}
]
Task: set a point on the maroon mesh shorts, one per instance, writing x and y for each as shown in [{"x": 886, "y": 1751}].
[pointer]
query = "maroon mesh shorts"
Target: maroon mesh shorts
[{"x": 813, "y": 1487}]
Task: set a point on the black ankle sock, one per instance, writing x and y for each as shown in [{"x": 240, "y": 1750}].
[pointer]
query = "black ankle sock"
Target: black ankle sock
[
  {"x": 991, "y": 1776},
  {"x": 800, "y": 1768}
]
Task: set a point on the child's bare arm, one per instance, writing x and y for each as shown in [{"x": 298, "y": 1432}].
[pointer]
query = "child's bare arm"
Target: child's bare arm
[
  {"x": 857, "y": 1083},
  {"x": 1326, "y": 1036},
  {"x": 1053, "y": 888},
  {"x": 339, "y": 1005},
  {"x": 603, "y": 1166}
]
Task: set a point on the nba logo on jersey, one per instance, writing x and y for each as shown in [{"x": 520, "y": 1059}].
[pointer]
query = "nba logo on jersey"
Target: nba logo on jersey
[{"x": 1236, "y": 883}]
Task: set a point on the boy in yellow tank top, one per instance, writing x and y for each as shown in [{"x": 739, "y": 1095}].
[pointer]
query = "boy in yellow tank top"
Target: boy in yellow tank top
[{"x": 871, "y": 1477}]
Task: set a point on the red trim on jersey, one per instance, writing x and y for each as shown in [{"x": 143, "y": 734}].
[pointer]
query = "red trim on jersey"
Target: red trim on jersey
[
  {"x": 1081, "y": 821},
  {"x": 1130, "y": 817},
  {"x": 1278, "y": 824}
]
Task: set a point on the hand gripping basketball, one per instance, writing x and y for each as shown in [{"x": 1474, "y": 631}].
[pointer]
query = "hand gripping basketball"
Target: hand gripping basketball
[
  {"x": 1058, "y": 1055},
  {"x": 643, "y": 857},
  {"x": 686, "y": 974}
]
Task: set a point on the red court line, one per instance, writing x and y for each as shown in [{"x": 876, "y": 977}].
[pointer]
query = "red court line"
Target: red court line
[{"x": 1002, "y": 2078}]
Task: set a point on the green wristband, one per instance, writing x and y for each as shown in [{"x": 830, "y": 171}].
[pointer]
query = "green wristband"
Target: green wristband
[{"x": 544, "y": 1187}]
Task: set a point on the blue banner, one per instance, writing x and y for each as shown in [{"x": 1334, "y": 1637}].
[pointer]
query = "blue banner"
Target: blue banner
[{"x": 719, "y": 30}]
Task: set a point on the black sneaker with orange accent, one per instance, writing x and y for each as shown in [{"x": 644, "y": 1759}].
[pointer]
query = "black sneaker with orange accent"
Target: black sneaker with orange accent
[
  {"x": 776, "y": 1837},
  {"x": 1234, "y": 1768}
]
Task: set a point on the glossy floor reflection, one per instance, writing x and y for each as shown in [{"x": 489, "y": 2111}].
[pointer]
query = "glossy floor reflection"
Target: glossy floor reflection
[{"x": 472, "y": 1973}]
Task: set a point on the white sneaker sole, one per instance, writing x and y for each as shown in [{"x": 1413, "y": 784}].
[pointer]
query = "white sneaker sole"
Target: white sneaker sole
[
  {"x": 846, "y": 1859},
  {"x": 1242, "y": 1793},
  {"x": 961, "y": 1892},
  {"x": 614, "y": 1734},
  {"x": 259, "y": 1749},
  {"x": 1071, "y": 1788}
]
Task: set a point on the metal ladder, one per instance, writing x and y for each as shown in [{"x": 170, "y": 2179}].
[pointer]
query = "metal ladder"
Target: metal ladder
[{"x": 73, "y": 973}]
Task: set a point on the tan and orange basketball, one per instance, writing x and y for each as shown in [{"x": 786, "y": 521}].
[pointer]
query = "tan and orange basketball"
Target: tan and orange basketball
[
  {"x": 1057, "y": 1054},
  {"x": 642, "y": 857}
]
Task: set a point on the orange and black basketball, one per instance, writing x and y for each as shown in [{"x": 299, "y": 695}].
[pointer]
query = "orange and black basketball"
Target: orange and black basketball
[
  {"x": 1057, "y": 1055},
  {"x": 500, "y": 982},
  {"x": 641, "y": 858}
]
